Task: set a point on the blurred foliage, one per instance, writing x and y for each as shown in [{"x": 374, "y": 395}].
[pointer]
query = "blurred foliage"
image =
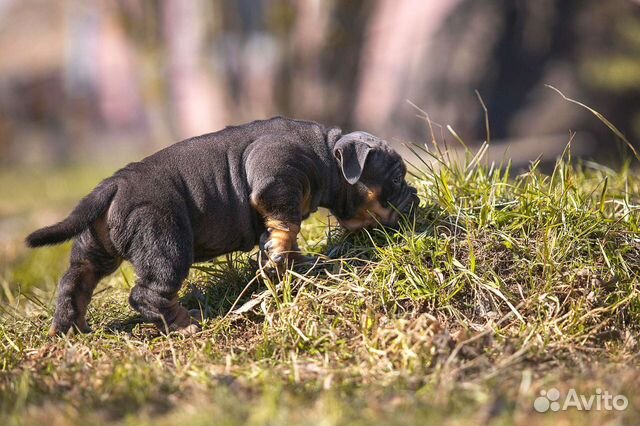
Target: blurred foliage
[
  {"x": 29, "y": 199},
  {"x": 102, "y": 77}
]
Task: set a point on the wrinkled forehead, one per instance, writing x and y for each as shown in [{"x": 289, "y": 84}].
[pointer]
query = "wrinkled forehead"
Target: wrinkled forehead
[
  {"x": 384, "y": 157},
  {"x": 371, "y": 140}
]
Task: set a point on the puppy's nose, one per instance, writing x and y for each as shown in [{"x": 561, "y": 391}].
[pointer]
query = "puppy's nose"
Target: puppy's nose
[
  {"x": 412, "y": 201},
  {"x": 413, "y": 205}
]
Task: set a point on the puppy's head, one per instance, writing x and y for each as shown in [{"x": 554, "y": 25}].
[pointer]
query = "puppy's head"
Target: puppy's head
[{"x": 376, "y": 176}]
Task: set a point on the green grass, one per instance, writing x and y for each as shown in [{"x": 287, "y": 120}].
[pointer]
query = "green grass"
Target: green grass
[{"x": 504, "y": 284}]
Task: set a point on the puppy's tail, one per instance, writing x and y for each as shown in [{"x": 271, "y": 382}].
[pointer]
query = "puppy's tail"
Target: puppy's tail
[{"x": 87, "y": 211}]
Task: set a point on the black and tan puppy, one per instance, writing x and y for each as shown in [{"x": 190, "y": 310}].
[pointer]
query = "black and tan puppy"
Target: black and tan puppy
[{"x": 214, "y": 194}]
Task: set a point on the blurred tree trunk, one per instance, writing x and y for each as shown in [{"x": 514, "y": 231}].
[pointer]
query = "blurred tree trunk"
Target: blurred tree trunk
[
  {"x": 307, "y": 87},
  {"x": 118, "y": 96},
  {"x": 399, "y": 34},
  {"x": 196, "y": 94},
  {"x": 343, "y": 66},
  {"x": 142, "y": 23},
  {"x": 437, "y": 53}
]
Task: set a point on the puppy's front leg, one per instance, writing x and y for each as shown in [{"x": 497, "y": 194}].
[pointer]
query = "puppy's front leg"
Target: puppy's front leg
[
  {"x": 281, "y": 242},
  {"x": 294, "y": 256},
  {"x": 279, "y": 207}
]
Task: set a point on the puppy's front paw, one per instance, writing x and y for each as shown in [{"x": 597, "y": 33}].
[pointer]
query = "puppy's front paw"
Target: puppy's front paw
[
  {"x": 276, "y": 245},
  {"x": 275, "y": 252},
  {"x": 274, "y": 260}
]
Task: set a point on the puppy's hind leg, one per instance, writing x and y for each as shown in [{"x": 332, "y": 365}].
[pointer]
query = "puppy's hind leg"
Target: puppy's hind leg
[
  {"x": 90, "y": 262},
  {"x": 155, "y": 297},
  {"x": 162, "y": 260}
]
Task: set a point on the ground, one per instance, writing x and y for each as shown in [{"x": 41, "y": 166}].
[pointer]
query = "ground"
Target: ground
[{"x": 506, "y": 285}]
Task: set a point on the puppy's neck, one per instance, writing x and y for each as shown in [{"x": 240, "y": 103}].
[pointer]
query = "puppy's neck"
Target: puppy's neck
[
  {"x": 343, "y": 199},
  {"x": 339, "y": 196}
]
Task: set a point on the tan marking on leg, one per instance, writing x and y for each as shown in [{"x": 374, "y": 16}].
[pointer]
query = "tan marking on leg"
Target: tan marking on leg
[
  {"x": 179, "y": 319},
  {"x": 283, "y": 235},
  {"x": 181, "y": 315}
]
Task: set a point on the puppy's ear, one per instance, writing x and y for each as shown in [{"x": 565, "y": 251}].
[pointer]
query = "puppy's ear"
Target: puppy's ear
[{"x": 351, "y": 151}]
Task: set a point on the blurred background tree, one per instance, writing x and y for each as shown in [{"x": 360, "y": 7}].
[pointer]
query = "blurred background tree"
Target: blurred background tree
[{"x": 111, "y": 78}]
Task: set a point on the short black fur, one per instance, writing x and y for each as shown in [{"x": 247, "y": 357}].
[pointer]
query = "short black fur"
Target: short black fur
[{"x": 204, "y": 197}]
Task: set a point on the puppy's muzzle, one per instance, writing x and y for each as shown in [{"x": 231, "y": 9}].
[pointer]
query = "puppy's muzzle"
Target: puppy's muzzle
[
  {"x": 408, "y": 201},
  {"x": 406, "y": 205}
]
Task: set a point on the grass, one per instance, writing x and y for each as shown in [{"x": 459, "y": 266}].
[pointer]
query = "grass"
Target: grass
[{"x": 505, "y": 283}]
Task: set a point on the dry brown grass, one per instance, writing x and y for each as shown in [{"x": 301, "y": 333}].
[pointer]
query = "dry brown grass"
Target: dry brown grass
[{"x": 503, "y": 285}]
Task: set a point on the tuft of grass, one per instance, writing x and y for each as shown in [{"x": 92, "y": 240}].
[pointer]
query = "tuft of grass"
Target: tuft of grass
[{"x": 503, "y": 284}]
